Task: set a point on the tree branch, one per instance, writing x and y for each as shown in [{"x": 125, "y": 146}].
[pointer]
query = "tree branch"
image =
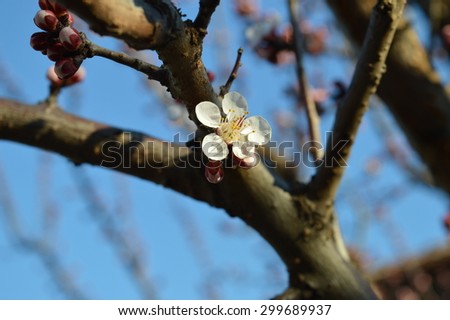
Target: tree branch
[
  {"x": 369, "y": 70},
  {"x": 152, "y": 72},
  {"x": 206, "y": 10},
  {"x": 305, "y": 93},
  {"x": 233, "y": 75},
  {"x": 299, "y": 230},
  {"x": 411, "y": 89},
  {"x": 142, "y": 24}
]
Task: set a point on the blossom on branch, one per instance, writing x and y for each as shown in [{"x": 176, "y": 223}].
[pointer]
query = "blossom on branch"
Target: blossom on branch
[{"x": 233, "y": 129}]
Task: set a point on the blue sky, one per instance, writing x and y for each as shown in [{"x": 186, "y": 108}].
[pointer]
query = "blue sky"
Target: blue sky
[{"x": 191, "y": 250}]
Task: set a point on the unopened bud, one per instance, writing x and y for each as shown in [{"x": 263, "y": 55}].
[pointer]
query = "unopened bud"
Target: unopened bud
[
  {"x": 70, "y": 38},
  {"x": 46, "y": 20},
  {"x": 57, "y": 82},
  {"x": 58, "y": 9},
  {"x": 39, "y": 41},
  {"x": 45, "y": 5},
  {"x": 55, "y": 52},
  {"x": 214, "y": 172},
  {"x": 66, "y": 67}
]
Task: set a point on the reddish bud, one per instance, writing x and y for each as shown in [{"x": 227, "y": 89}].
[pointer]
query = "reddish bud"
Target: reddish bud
[
  {"x": 58, "y": 9},
  {"x": 447, "y": 222},
  {"x": 57, "y": 82},
  {"x": 55, "y": 52},
  {"x": 249, "y": 162},
  {"x": 214, "y": 172},
  {"x": 70, "y": 38},
  {"x": 211, "y": 76},
  {"x": 45, "y": 5},
  {"x": 246, "y": 8},
  {"x": 66, "y": 67},
  {"x": 39, "y": 41},
  {"x": 46, "y": 20}
]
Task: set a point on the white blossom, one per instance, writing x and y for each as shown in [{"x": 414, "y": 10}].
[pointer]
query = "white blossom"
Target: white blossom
[{"x": 233, "y": 128}]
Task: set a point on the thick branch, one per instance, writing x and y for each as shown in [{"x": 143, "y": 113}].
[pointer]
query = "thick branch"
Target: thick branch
[
  {"x": 142, "y": 24},
  {"x": 411, "y": 89},
  {"x": 369, "y": 70},
  {"x": 291, "y": 225}
]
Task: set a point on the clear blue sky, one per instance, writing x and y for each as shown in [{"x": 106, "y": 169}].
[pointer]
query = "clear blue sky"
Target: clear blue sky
[{"x": 189, "y": 247}]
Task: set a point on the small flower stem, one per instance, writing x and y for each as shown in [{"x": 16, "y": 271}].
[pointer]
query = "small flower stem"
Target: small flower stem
[
  {"x": 226, "y": 88},
  {"x": 52, "y": 99}
]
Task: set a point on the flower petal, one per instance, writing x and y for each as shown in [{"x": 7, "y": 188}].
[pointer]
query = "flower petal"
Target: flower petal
[
  {"x": 260, "y": 133},
  {"x": 234, "y": 103},
  {"x": 243, "y": 150},
  {"x": 214, "y": 147},
  {"x": 208, "y": 114}
]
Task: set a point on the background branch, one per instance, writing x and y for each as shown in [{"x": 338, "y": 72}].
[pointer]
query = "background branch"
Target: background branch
[
  {"x": 369, "y": 70},
  {"x": 423, "y": 114},
  {"x": 305, "y": 96}
]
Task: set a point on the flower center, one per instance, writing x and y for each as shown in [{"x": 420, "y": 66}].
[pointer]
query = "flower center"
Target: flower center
[{"x": 230, "y": 129}]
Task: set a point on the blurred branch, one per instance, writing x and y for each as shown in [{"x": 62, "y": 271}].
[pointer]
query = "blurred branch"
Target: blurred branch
[
  {"x": 125, "y": 247},
  {"x": 305, "y": 94},
  {"x": 366, "y": 78},
  {"x": 41, "y": 247},
  {"x": 396, "y": 150}
]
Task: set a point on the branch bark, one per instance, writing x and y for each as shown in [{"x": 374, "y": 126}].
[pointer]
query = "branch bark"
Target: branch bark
[
  {"x": 305, "y": 93},
  {"x": 142, "y": 24},
  {"x": 294, "y": 226},
  {"x": 411, "y": 89}
]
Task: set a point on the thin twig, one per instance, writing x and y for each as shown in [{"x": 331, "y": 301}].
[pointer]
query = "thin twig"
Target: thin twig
[
  {"x": 226, "y": 88},
  {"x": 305, "y": 96},
  {"x": 153, "y": 72},
  {"x": 367, "y": 76},
  {"x": 205, "y": 12}
]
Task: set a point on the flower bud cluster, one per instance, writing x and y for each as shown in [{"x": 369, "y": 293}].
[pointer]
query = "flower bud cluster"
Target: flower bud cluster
[{"x": 60, "y": 41}]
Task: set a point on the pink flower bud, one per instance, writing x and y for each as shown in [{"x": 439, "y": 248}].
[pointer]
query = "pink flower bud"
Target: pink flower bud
[
  {"x": 57, "y": 82},
  {"x": 55, "y": 52},
  {"x": 58, "y": 9},
  {"x": 46, "y": 20},
  {"x": 45, "y": 5},
  {"x": 39, "y": 41},
  {"x": 211, "y": 76},
  {"x": 70, "y": 38},
  {"x": 53, "y": 78},
  {"x": 66, "y": 67},
  {"x": 214, "y": 172},
  {"x": 79, "y": 76}
]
